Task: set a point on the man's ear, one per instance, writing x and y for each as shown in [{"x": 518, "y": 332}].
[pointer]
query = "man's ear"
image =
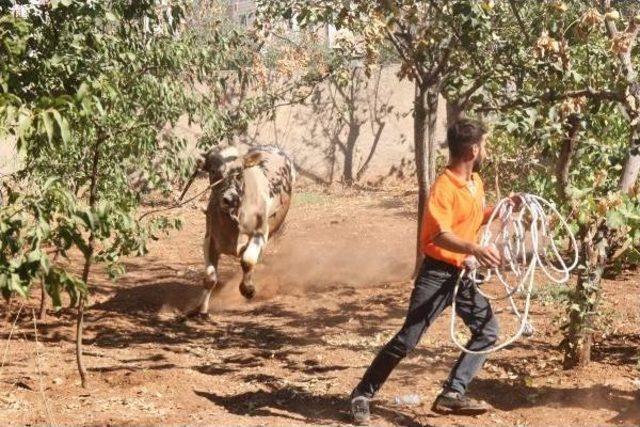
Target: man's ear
[
  {"x": 469, "y": 152},
  {"x": 474, "y": 151}
]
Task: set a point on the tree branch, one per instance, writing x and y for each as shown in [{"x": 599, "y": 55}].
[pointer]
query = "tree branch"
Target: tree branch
[
  {"x": 631, "y": 100},
  {"x": 434, "y": 74},
  {"x": 374, "y": 146},
  {"x": 410, "y": 43},
  {"x": 523, "y": 28},
  {"x": 403, "y": 54},
  {"x": 566, "y": 156},
  {"x": 472, "y": 53},
  {"x": 463, "y": 101},
  {"x": 602, "y": 95}
]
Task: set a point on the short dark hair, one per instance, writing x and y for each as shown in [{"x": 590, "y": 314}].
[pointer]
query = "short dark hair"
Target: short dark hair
[{"x": 462, "y": 135}]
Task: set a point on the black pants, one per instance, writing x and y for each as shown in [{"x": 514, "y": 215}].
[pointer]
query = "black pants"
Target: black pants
[{"x": 432, "y": 293}]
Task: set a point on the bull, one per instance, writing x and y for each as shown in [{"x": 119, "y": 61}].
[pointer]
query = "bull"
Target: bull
[{"x": 249, "y": 201}]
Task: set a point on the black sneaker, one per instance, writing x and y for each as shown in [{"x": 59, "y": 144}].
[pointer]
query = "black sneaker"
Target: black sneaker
[
  {"x": 360, "y": 410},
  {"x": 451, "y": 402}
]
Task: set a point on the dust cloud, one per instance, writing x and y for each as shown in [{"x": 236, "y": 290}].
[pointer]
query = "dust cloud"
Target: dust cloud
[
  {"x": 299, "y": 266},
  {"x": 315, "y": 259}
]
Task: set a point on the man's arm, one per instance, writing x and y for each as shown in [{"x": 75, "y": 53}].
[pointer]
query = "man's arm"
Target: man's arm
[
  {"x": 487, "y": 214},
  {"x": 514, "y": 198},
  {"x": 487, "y": 256}
]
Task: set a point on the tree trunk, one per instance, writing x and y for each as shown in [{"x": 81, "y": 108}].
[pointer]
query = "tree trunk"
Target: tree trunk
[
  {"x": 632, "y": 164},
  {"x": 43, "y": 300},
  {"x": 454, "y": 113},
  {"x": 631, "y": 167},
  {"x": 566, "y": 156},
  {"x": 79, "y": 359},
  {"x": 88, "y": 260},
  {"x": 80, "y": 320},
  {"x": 422, "y": 162},
  {"x": 432, "y": 123},
  {"x": 579, "y": 333},
  {"x": 350, "y": 151}
]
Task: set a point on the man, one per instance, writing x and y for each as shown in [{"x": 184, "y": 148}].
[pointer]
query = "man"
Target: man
[{"x": 452, "y": 220}]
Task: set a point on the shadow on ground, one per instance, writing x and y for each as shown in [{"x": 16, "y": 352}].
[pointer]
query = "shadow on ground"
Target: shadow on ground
[
  {"x": 144, "y": 311},
  {"x": 297, "y": 404},
  {"x": 508, "y": 397}
]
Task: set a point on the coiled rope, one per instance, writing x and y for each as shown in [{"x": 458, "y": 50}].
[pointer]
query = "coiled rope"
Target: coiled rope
[{"x": 511, "y": 243}]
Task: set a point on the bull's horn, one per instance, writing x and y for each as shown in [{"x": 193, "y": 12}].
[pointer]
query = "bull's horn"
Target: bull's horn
[{"x": 186, "y": 188}]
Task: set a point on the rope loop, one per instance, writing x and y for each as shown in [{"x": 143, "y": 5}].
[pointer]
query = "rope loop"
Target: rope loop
[{"x": 533, "y": 220}]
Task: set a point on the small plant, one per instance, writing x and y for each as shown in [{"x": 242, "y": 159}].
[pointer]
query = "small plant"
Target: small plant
[{"x": 310, "y": 198}]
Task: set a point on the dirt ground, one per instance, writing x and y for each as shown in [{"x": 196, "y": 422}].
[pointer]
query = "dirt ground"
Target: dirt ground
[{"x": 331, "y": 291}]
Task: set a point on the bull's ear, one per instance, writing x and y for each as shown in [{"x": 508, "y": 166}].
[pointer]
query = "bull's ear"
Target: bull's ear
[
  {"x": 252, "y": 159},
  {"x": 229, "y": 154},
  {"x": 201, "y": 162}
]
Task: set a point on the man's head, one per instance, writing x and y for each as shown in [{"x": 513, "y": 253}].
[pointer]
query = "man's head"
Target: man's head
[{"x": 466, "y": 140}]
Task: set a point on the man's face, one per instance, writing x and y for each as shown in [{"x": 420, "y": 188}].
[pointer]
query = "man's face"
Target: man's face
[{"x": 480, "y": 154}]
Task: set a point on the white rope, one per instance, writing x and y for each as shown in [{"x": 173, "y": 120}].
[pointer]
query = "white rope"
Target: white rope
[{"x": 510, "y": 241}]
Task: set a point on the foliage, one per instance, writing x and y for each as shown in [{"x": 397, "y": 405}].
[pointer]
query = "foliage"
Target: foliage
[
  {"x": 92, "y": 90},
  {"x": 571, "y": 72},
  {"x": 571, "y": 102}
]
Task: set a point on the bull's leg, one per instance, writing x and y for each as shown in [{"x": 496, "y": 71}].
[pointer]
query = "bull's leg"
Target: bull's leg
[
  {"x": 210, "y": 280},
  {"x": 246, "y": 286}
]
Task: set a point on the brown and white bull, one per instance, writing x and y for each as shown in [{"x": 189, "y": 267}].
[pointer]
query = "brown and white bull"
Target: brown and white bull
[{"x": 247, "y": 207}]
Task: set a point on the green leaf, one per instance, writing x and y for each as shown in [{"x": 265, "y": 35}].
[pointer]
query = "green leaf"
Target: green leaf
[
  {"x": 24, "y": 124},
  {"x": 57, "y": 3},
  {"x": 48, "y": 125},
  {"x": 49, "y": 183},
  {"x": 64, "y": 130},
  {"x": 615, "y": 219},
  {"x": 56, "y": 299},
  {"x": 82, "y": 91}
]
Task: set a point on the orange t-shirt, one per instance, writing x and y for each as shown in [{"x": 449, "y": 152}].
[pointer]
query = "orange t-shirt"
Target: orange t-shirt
[{"x": 453, "y": 205}]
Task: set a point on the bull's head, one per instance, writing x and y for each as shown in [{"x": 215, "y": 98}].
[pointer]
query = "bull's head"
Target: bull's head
[
  {"x": 248, "y": 205},
  {"x": 214, "y": 163}
]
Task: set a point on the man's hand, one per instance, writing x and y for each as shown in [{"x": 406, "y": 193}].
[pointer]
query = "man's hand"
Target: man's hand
[
  {"x": 517, "y": 201},
  {"x": 487, "y": 256}
]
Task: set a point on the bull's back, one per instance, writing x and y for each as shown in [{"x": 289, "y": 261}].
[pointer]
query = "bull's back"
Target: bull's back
[{"x": 280, "y": 171}]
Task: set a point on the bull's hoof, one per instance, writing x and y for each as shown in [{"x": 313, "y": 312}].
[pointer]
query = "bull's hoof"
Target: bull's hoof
[
  {"x": 195, "y": 315},
  {"x": 247, "y": 291},
  {"x": 203, "y": 316}
]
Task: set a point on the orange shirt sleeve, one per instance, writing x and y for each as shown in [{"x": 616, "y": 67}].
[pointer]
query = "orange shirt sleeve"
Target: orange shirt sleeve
[{"x": 439, "y": 213}]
